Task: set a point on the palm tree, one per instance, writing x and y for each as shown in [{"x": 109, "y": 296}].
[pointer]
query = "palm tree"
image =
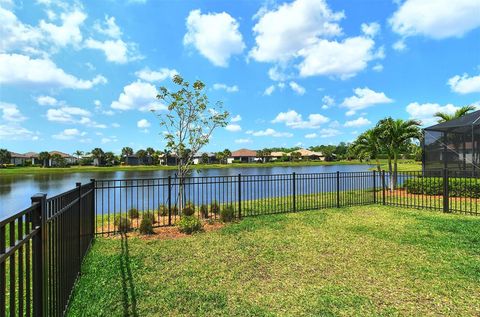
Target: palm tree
[
  {"x": 220, "y": 156},
  {"x": 443, "y": 116},
  {"x": 44, "y": 157},
  {"x": 141, "y": 156},
  {"x": 395, "y": 135},
  {"x": 226, "y": 154},
  {"x": 126, "y": 151},
  {"x": 78, "y": 154},
  {"x": 98, "y": 155},
  {"x": 5, "y": 157},
  {"x": 368, "y": 145}
]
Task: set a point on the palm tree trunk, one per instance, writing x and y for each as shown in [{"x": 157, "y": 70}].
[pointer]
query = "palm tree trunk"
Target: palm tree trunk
[
  {"x": 390, "y": 180},
  {"x": 395, "y": 169}
]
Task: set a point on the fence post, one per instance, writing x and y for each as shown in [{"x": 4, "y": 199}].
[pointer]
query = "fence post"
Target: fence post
[
  {"x": 239, "y": 196},
  {"x": 94, "y": 204},
  {"x": 294, "y": 202},
  {"x": 446, "y": 207},
  {"x": 338, "y": 189},
  {"x": 374, "y": 187},
  {"x": 38, "y": 221},
  {"x": 169, "y": 200},
  {"x": 383, "y": 187},
  {"x": 80, "y": 238}
]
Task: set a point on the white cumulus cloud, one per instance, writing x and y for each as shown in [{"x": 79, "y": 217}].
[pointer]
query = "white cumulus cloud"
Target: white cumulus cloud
[
  {"x": 465, "y": 84},
  {"x": 270, "y": 132},
  {"x": 357, "y": 122},
  {"x": 214, "y": 35},
  {"x": 11, "y": 113},
  {"x": 425, "y": 112},
  {"x": 236, "y": 118},
  {"x": 364, "y": 98},
  {"x": 23, "y": 70},
  {"x": 436, "y": 19},
  {"x": 69, "y": 134},
  {"x": 156, "y": 75},
  {"x": 243, "y": 141},
  {"x": 220, "y": 86},
  {"x": 294, "y": 120},
  {"x": 143, "y": 124},
  {"x": 68, "y": 33},
  {"x": 233, "y": 127},
  {"x": 297, "y": 88},
  {"x": 109, "y": 27},
  {"x": 46, "y": 101},
  {"x": 138, "y": 95}
]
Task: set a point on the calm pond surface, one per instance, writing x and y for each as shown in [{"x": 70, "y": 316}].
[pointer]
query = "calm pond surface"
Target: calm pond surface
[{"x": 16, "y": 190}]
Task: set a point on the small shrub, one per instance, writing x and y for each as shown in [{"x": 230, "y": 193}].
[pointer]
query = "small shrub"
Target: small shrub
[
  {"x": 190, "y": 224},
  {"x": 174, "y": 210},
  {"x": 123, "y": 224},
  {"x": 146, "y": 226},
  {"x": 227, "y": 214},
  {"x": 189, "y": 209},
  {"x": 150, "y": 216},
  {"x": 133, "y": 213},
  {"x": 163, "y": 210},
  {"x": 214, "y": 208},
  {"x": 204, "y": 211}
]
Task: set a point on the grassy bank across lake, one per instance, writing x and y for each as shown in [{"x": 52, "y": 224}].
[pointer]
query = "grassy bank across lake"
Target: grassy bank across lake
[
  {"x": 362, "y": 261},
  {"x": 405, "y": 165}
]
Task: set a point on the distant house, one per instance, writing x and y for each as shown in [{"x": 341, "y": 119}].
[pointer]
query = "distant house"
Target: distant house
[
  {"x": 17, "y": 158},
  {"x": 243, "y": 155},
  {"x": 69, "y": 159},
  {"x": 197, "y": 159},
  {"x": 310, "y": 155},
  {"x": 277, "y": 155},
  {"x": 134, "y": 160},
  {"x": 33, "y": 157}
]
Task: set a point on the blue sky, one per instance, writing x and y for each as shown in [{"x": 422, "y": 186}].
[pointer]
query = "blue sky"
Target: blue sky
[{"x": 76, "y": 75}]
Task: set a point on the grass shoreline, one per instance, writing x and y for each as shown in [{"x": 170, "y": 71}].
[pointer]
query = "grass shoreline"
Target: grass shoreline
[{"x": 404, "y": 165}]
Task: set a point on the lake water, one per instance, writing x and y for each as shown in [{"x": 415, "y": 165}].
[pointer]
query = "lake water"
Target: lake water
[{"x": 16, "y": 190}]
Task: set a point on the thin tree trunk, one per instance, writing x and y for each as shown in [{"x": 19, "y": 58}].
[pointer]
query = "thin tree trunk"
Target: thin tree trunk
[{"x": 390, "y": 172}]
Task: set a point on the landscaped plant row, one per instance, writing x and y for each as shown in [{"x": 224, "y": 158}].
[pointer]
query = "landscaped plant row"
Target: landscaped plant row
[{"x": 457, "y": 187}]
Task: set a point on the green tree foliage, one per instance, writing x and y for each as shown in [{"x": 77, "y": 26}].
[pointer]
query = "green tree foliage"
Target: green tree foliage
[
  {"x": 395, "y": 136},
  {"x": 98, "y": 155},
  {"x": 5, "y": 156},
  {"x": 44, "y": 157},
  {"x": 443, "y": 116},
  {"x": 189, "y": 123},
  {"x": 368, "y": 145}
]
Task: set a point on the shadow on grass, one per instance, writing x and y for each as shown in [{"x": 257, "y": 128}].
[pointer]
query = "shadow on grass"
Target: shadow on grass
[{"x": 129, "y": 299}]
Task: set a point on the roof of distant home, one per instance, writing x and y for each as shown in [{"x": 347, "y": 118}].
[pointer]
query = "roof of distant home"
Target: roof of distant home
[
  {"x": 64, "y": 155},
  {"x": 305, "y": 152},
  {"x": 244, "y": 153}
]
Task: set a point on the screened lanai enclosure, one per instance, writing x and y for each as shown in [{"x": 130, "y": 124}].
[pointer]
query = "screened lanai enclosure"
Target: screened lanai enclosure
[{"x": 453, "y": 145}]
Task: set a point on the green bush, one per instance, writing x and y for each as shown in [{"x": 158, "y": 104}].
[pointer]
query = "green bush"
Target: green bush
[
  {"x": 163, "y": 210},
  {"x": 146, "y": 226},
  {"x": 133, "y": 213},
  {"x": 189, "y": 209},
  {"x": 204, "y": 211},
  {"x": 227, "y": 214},
  {"x": 190, "y": 224},
  {"x": 214, "y": 208},
  {"x": 457, "y": 187},
  {"x": 150, "y": 216},
  {"x": 123, "y": 224}
]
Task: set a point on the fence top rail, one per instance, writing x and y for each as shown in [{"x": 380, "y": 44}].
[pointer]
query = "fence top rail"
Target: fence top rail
[{"x": 16, "y": 216}]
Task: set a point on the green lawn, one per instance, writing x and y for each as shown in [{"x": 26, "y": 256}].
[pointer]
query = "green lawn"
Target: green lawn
[
  {"x": 362, "y": 261},
  {"x": 404, "y": 165}
]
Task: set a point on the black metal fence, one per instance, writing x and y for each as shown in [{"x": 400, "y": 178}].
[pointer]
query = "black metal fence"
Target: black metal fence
[
  {"x": 41, "y": 251},
  {"x": 251, "y": 195},
  {"x": 42, "y": 247}
]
